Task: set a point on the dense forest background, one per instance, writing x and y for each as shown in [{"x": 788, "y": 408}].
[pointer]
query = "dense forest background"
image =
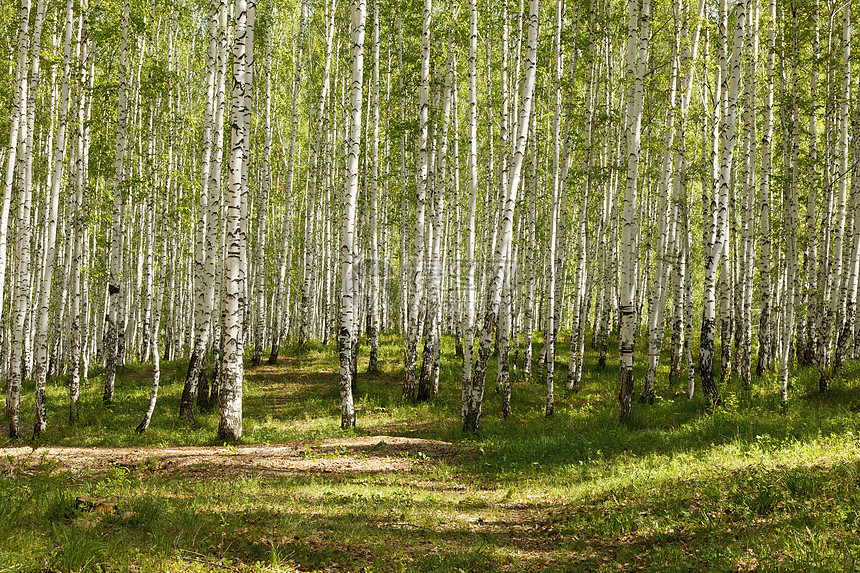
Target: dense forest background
[{"x": 211, "y": 182}]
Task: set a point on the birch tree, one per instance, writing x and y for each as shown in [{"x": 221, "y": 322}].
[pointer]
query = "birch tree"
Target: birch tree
[
  {"x": 115, "y": 280},
  {"x": 41, "y": 359},
  {"x": 836, "y": 254},
  {"x": 476, "y": 393},
  {"x": 204, "y": 268},
  {"x": 21, "y": 277},
  {"x": 348, "y": 215},
  {"x": 410, "y": 387},
  {"x": 637, "y": 52},
  {"x": 469, "y": 288},
  {"x": 373, "y": 310},
  {"x": 764, "y": 329},
  {"x": 719, "y": 234},
  {"x": 232, "y": 368}
]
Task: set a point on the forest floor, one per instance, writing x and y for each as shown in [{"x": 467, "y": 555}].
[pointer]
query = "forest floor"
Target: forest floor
[
  {"x": 365, "y": 454},
  {"x": 684, "y": 487}
]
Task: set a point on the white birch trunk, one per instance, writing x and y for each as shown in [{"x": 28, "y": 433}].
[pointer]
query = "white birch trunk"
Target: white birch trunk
[
  {"x": 528, "y": 311},
  {"x": 161, "y": 281},
  {"x": 19, "y": 102},
  {"x": 41, "y": 357},
  {"x": 764, "y": 329},
  {"x": 318, "y": 142},
  {"x": 348, "y": 214},
  {"x": 374, "y": 310},
  {"x": 637, "y": 45},
  {"x": 263, "y": 207},
  {"x": 720, "y": 235},
  {"x": 835, "y": 263},
  {"x": 476, "y": 394},
  {"x": 790, "y": 237},
  {"x": 282, "y": 310},
  {"x": 665, "y": 232},
  {"x": 113, "y": 348},
  {"x": 410, "y": 387},
  {"x": 232, "y": 368},
  {"x": 469, "y": 287},
  {"x": 811, "y": 294},
  {"x": 555, "y": 213},
  {"x": 21, "y": 276}
]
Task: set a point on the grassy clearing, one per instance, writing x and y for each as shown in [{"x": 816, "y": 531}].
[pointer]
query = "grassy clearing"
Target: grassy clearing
[{"x": 742, "y": 487}]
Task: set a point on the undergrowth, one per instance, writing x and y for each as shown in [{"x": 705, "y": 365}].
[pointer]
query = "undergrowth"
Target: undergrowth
[{"x": 748, "y": 485}]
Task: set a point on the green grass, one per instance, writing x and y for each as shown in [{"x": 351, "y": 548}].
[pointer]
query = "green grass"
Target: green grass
[{"x": 684, "y": 487}]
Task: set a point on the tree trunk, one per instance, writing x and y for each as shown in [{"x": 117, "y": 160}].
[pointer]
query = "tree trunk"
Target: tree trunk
[
  {"x": 232, "y": 368},
  {"x": 113, "y": 349},
  {"x": 476, "y": 394},
  {"x": 41, "y": 358},
  {"x": 347, "y": 237},
  {"x": 469, "y": 315},
  {"x": 410, "y": 388},
  {"x": 637, "y": 45}
]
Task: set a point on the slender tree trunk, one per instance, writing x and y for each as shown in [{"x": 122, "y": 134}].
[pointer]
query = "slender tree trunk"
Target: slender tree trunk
[
  {"x": 476, "y": 394},
  {"x": 318, "y": 142},
  {"x": 637, "y": 45},
  {"x": 847, "y": 295},
  {"x": 665, "y": 233},
  {"x": 764, "y": 329},
  {"x": 41, "y": 358},
  {"x": 232, "y": 368},
  {"x": 432, "y": 339},
  {"x": 555, "y": 213},
  {"x": 720, "y": 234},
  {"x": 748, "y": 229},
  {"x": 201, "y": 280},
  {"x": 21, "y": 276},
  {"x": 373, "y": 311},
  {"x": 791, "y": 219},
  {"x": 410, "y": 388},
  {"x": 113, "y": 348},
  {"x": 347, "y": 237},
  {"x": 469, "y": 316},
  {"x": 282, "y": 293},
  {"x": 263, "y": 207},
  {"x": 153, "y": 341},
  {"x": 836, "y": 274},
  {"x": 811, "y": 293},
  {"x": 19, "y": 104},
  {"x": 78, "y": 361},
  {"x": 528, "y": 313}
]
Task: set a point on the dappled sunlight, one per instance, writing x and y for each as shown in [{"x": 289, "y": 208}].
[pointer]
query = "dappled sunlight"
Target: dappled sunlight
[{"x": 743, "y": 486}]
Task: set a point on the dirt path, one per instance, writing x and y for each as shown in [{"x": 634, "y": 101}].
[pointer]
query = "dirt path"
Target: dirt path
[{"x": 369, "y": 454}]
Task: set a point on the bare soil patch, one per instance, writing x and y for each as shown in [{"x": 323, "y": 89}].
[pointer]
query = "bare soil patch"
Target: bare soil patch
[{"x": 367, "y": 454}]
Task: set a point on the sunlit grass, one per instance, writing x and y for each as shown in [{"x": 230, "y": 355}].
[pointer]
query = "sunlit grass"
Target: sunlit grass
[{"x": 684, "y": 486}]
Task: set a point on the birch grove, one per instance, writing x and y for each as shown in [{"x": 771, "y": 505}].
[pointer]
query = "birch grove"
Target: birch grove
[{"x": 641, "y": 182}]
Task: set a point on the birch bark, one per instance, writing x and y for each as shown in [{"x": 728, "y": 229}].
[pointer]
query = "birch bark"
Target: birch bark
[
  {"x": 282, "y": 293},
  {"x": 202, "y": 281},
  {"x": 469, "y": 288},
  {"x": 232, "y": 368},
  {"x": 836, "y": 274},
  {"x": 115, "y": 295},
  {"x": 476, "y": 394},
  {"x": 373, "y": 311},
  {"x": 348, "y": 214},
  {"x": 410, "y": 388},
  {"x": 40, "y": 369},
  {"x": 637, "y": 52},
  {"x": 764, "y": 329},
  {"x": 720, "y": 233},
  {"x": 21, "y": 297}
]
